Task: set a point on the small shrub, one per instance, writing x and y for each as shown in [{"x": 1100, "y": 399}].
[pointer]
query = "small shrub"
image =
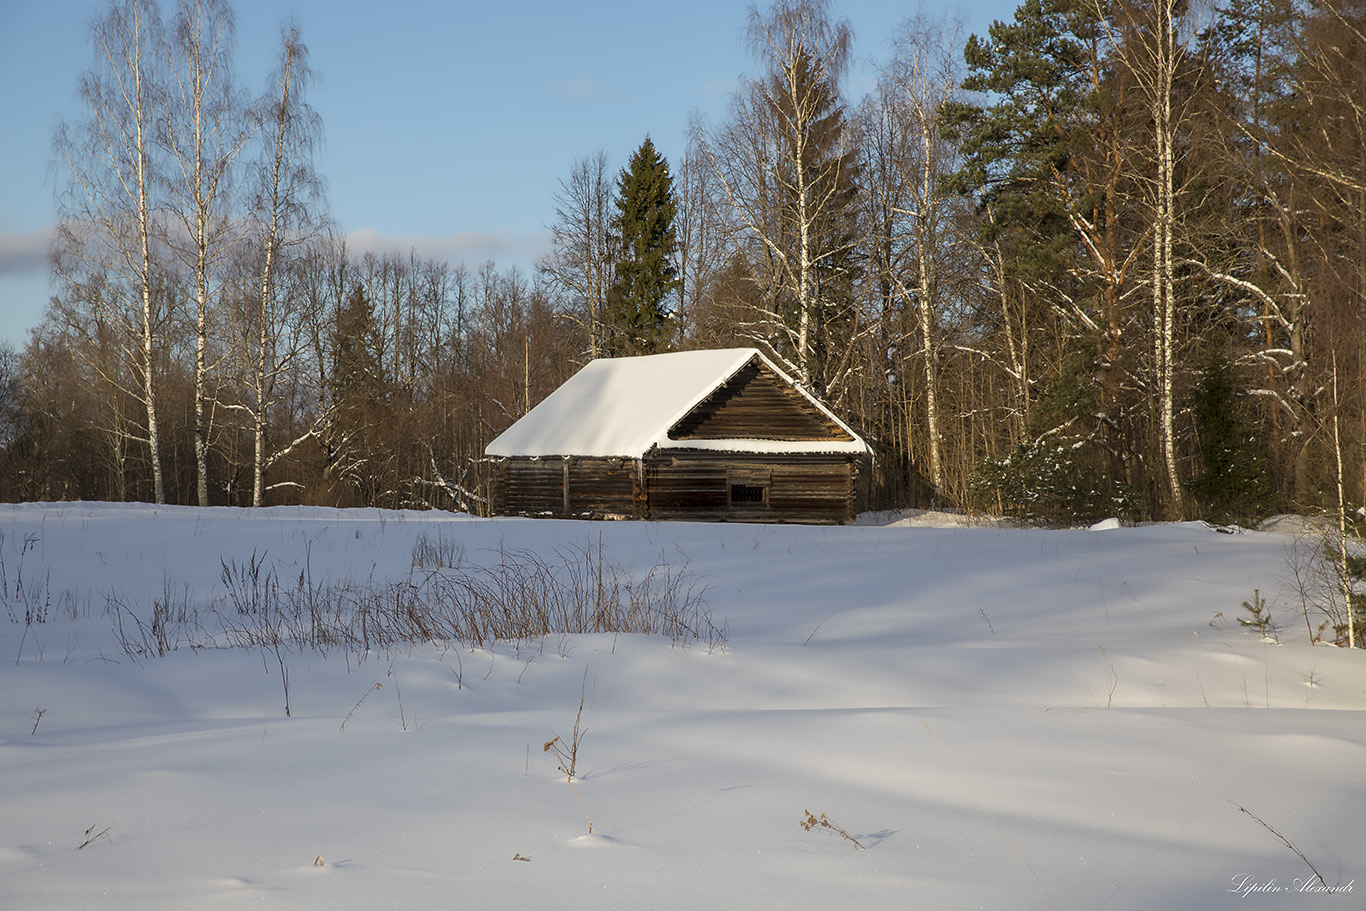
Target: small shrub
[
  {"x": 1072, "y": 469},
  {"x": 1054, "y": 481}
]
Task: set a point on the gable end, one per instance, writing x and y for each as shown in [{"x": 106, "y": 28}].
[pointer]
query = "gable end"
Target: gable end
[{"x": 757, "y": 404}]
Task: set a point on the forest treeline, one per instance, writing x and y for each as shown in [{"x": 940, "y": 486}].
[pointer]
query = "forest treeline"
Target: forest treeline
[{"x": 1106, "y": 259}]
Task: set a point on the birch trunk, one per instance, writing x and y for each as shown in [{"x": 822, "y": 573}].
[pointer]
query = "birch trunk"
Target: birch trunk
[
  {"x": 107, "y": 233},
  {"x": 263, "y": 366},
  {"x": 1164, "y": 282},
  {"x": 286, "y": 191},
  {"x": 205, "y": 129},
  {"x": 927, "y": 308},
  {"x": 1343, "y": 567},
  {"x": 142, "y": 118}
]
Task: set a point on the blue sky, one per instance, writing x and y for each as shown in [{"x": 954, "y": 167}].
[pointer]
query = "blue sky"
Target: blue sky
[{"x": 449, "y": 123}]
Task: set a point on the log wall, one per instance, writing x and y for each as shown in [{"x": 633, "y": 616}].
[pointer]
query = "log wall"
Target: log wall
[
  {"x": 681, "y": 484},
  {"x": 795, "y": 488},
  {"x": 567, "y": 487}
]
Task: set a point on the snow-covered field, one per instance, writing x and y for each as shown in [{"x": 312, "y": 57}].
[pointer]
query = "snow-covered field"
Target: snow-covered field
[{"x": 1001, "y": 718}]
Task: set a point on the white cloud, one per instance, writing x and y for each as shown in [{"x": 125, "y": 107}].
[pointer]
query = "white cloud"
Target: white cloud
[
  {"x": 581, "y": 88},
  {"x": 506, "y": 248},
  {"x": 24, "y": 255}
]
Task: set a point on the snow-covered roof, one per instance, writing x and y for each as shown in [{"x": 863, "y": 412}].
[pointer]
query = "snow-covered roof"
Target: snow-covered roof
[{"x": 621, "y": 407}]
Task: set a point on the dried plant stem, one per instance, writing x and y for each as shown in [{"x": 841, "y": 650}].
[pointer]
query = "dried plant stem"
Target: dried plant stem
[
  {"x": 582, "y": 807},
  {"x": 568, "y": 754},
  {"x": 377, "y": 685},
  {"x": 823, "y": 822},
  {"x": 402, "y": 718},
  {"x": 89, "y": 838},
  {"x": 1285, "y": 841}
]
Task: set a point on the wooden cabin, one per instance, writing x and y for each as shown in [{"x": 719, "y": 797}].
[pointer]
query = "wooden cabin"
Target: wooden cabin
[{"x": 720, "y": 435}]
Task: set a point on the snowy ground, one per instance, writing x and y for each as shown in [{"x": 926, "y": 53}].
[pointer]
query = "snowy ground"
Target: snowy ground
[{"x": 1002, "y": 718}]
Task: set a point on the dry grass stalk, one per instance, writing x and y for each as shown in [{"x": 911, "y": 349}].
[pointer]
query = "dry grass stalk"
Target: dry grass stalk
[
  {"x": 377, "y": 685},
  {"x": 1285, "y": 841},
  {"x": 90, "y": 838},
  {"x": 568, "y": 753},
  {"x": 823, "y": 822}
]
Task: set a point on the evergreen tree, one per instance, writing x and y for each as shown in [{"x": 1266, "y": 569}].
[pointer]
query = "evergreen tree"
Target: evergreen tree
[
  {"x": 356, "y": 376},
  {"x": 358, "y": 428},
  {"x": 1061, "y": 476},
  {"x": 637, "y": 314},
  {"x": 1233, "y": 481},
  {"x": 1052, "y": 154},
  {"x": 1024, "y": 132}
]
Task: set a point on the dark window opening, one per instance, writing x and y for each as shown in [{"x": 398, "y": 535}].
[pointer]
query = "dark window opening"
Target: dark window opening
[{"x": 748, "y": 493}]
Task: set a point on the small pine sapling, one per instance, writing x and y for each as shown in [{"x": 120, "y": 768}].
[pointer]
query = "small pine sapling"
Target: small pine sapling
[{"x": 1258, "y": 616}]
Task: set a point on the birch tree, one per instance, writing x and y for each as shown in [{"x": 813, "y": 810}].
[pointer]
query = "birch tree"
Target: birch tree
[
  {"x": 204, "y": 129},
  {"x": 702, "y": 247},
  {"x": 916, "y": 205},
  {"x": 580, "y": 261},
  {"x": 787, "y": 163},
  {"x": 1164, "y": 53},
  {"x": 108, "y": 205},
  {"x": 1151, "y": 39},
  {"x": 287, "y": 196},
  {"x": 1321, "y": 141}
]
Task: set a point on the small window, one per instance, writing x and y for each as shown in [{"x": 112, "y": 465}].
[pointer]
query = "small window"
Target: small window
[{"x": 748, "y": 494}]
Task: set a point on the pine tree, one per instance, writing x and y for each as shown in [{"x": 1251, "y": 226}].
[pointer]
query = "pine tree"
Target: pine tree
[
  {"x": 1052, "y": 160},
  {"x": 637, "y": 313}
]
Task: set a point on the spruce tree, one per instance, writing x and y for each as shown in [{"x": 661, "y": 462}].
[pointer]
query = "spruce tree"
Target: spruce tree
[
  {"x": 1233, "y": 484},
  {"x": 358, "y": 422},
  {"x": 637, "y": 314}
]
